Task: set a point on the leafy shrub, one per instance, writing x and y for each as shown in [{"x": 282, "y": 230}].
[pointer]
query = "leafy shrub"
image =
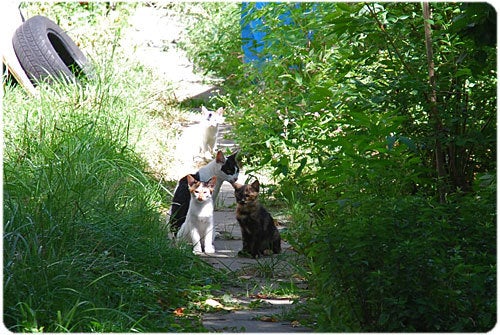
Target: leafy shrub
[
  {"x": 403, "y": 264},
  {"x": 212, "y": 37},
  {"x": 345, "y": 70},
  {"x": 340, "y": 110}
]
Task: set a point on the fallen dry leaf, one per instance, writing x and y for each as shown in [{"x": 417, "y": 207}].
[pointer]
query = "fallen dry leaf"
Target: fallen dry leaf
[
  {"x": 213, "y": 303},
  {"x": 268, "y": 319},
  {"x": 295, "y": 323},
  {"x": 179, "y": 311}
]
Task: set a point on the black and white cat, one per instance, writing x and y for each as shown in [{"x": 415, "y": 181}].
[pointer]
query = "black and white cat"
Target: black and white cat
[
  {"x": 198, "y": 228},
  {"x": 224, "y": 168}
]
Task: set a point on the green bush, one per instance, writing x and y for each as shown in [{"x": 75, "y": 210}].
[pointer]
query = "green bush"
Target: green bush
[
  {"x": 348, "y": 91},
  {"x": 404, "y": 264},
  {"x": 212, "y": 37},
  {"x": 382, "y": 182}
]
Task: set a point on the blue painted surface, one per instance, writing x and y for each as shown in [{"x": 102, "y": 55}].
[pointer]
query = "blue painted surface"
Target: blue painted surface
[{"x": 253, "y": 33}]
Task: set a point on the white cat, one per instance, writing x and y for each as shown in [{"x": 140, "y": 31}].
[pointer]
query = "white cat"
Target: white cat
[
  {"x": 224, "y": 168},
  {"x": 197, "y": 142},
  {"x": 209, "y": 128},
  {"x": 198, "y": 229}
]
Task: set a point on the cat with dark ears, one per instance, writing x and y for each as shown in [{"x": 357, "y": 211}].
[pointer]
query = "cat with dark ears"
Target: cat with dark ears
[
  {"x": 224, "y": 168},
  {"x": 259, "y": 233},
  {"x": 198, "y": 228}
]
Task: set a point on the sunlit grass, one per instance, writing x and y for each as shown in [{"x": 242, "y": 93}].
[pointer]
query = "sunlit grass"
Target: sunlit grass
[{"x": 85, "y": 247}]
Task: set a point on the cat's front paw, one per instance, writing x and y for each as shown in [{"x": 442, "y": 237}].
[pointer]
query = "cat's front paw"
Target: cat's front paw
[
  {"x": 197, "y": 250},
  {"x": 209, "y": 249}
]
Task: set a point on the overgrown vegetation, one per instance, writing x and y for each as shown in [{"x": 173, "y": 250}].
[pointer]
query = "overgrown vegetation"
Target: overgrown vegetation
[
  {"x": 389, "y": 170},
  {"x": 85, "y": 247},
  {"x": 213, "y": 30}
]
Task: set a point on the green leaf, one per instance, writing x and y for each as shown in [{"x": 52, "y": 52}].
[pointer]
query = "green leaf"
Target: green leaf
[
  {"x": 298, "y": 172},
  {"x": 463, "y": 72}
]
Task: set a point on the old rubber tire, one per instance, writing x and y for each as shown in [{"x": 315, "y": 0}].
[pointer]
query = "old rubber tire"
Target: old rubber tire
[{"x": 45, "y": 51}]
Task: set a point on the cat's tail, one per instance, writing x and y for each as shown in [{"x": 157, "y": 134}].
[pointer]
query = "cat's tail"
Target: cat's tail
[{"x": 277, "y": 242}]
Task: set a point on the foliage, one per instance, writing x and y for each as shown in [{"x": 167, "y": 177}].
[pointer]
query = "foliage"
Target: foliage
[
  {"x": 386, "y": 264},
  {"x": 215, "y": 30},
  {"x": 340, "y": 109},
  {"x": 85, "y": 249},
  {"x": 355, "y": 85}
]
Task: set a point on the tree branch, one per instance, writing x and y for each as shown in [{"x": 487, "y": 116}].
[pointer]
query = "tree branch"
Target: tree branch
[
  {"x": 432, "y": 99},
  {"x": 389, "y": 39}
]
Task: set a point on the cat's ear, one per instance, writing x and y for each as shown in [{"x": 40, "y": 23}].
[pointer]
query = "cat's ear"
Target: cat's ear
[
  {"x": 220, "y": 111},
  {"x": 212, "y": 181},
  {"x": 234, "y": 153},
  {"x": 191, "y": 181},
  {"x": 204, "y": 110},
  {"x": 256, "y": 185},
  {"x": 236, "y": 185},
  {"x": 220, "y": 157}
]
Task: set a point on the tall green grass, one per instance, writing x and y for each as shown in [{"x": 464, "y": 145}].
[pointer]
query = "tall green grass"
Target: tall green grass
[{"x": 85, "y": 248}]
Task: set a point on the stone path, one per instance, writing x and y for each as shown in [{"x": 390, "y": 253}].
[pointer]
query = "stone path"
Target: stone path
[
  {"x": 257, "y": 311},
  {"x": 248, "y": 305}
]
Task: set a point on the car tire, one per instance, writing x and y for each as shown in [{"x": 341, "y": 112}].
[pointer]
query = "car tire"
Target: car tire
[{"x": 46, "y": 52}]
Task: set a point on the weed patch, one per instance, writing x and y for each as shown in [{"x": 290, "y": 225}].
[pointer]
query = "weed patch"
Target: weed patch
[{"x": 85, "y": 246}]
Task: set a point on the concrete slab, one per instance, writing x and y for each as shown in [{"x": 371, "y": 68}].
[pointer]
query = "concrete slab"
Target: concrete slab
[
  {"x": 266, "y": 320},
  {"x": 256, "y": 313}
]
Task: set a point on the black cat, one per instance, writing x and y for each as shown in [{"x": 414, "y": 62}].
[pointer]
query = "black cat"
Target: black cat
[{"x": 259, "y": 233}]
